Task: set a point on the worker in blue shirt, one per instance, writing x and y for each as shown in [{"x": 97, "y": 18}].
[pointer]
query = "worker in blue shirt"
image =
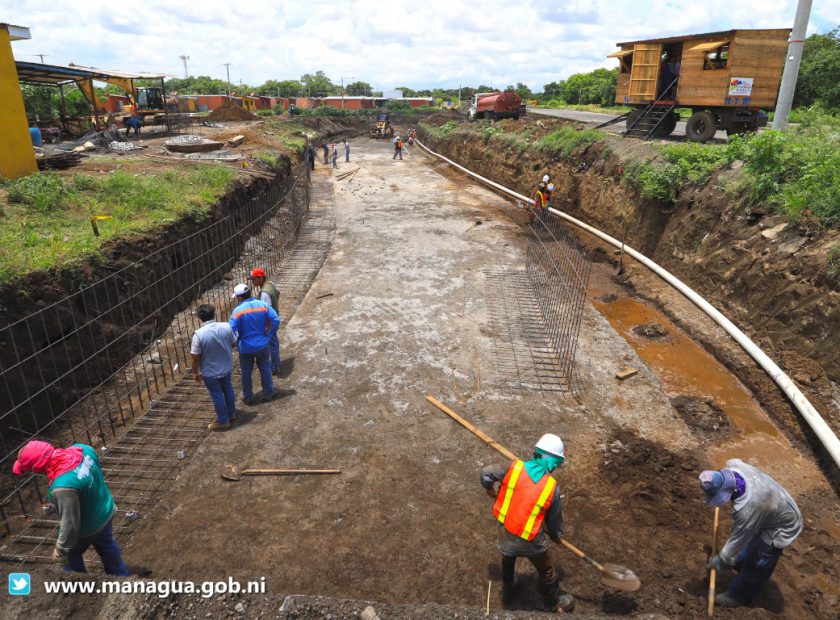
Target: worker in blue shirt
[{"x": 253, "y": 321}]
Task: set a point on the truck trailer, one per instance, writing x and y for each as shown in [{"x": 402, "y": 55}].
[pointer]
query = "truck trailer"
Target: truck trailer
[
  {"x": 495, "y": 106},
  {"x": 728, "y": 79}
]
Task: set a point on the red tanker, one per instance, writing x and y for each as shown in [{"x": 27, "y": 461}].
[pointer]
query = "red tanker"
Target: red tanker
[{"x": 496, "y": 105}]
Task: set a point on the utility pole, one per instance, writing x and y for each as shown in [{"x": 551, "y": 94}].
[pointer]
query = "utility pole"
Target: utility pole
[
  {"x": 41, "y": 56},
  {"x": 227, "y": 67},
  {"x": 791, "y": 72},
  {"x": 184, "y": 59}
]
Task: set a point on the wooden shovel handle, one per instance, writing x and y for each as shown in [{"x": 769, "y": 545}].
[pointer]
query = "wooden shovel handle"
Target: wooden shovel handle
[
  {"x": 713, "y": 573},
  {"x": 580, "y": 554},
  {"x": 268, "y": 472}
]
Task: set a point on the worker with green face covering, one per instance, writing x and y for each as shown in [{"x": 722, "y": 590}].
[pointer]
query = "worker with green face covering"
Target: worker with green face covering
[{"x": 529, "y": 510}]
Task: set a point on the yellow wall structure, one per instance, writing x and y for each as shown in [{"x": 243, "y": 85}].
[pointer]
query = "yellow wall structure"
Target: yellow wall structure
[{"x": 16, "y": 155}]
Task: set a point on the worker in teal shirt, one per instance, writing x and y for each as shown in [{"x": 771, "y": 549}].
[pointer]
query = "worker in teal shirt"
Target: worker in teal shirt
[{"x": 84, "y": 503}]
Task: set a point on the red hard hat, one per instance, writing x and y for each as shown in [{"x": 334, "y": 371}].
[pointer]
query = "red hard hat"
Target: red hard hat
[{"x": 256, "y": 272}]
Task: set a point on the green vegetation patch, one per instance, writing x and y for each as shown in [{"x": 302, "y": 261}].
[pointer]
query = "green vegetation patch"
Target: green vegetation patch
[
  {"x": 46, "y": 218},
  {"x": 563, "y": 142},
  {"x": 291, "y": 135}
]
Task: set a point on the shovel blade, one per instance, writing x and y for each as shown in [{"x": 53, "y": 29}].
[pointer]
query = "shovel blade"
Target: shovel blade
[
  {"x": 231, "y": 472},
  {"x": 620, "y": 578}
]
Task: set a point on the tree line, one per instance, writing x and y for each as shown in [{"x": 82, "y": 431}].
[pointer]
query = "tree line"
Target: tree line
[{"x": 818, "y": 84}]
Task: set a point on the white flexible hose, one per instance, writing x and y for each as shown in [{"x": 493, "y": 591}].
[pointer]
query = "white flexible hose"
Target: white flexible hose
[{"x": 803, "y": 406}]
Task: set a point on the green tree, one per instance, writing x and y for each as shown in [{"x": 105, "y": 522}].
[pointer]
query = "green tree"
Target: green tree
[
  {"x": 523, "y": 91},
  {"x": 278, "y": 88},
  {"x": 597, "y": 87},
  {"x": 553, "y": 90},
  {"x": 819, "y": 73},
  {"x": 358, "y": 89},
  {"x": 200, "y": 85},
  {"x": 318, "y": 85},
  {"x": 407, "y": 92}
]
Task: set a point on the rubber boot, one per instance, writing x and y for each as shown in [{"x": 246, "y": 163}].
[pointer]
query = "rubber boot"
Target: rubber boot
[
  {"x": 725, "y": 600},
  {"x": 509, "y": 581},
  {"x": 549, "y": 593}
]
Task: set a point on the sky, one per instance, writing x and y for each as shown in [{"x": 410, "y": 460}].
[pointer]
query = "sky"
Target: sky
[{"x": 420, "y": 44}]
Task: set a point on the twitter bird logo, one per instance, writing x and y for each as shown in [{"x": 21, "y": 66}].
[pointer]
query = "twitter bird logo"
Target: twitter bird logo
[{"x": 20, "y": 584}]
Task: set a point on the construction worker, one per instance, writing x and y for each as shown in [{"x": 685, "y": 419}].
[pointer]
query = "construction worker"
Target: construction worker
[
  {"x": 252, "y": 321},
  {"x": 398, "y": 147},
  {"x": 267, "y": 291},
  {"x": 83, "y": 501},
  {"x": 528, "y": 508},
  {"x": 212, "y": 362},
  {"x": 765, "y": 520}
]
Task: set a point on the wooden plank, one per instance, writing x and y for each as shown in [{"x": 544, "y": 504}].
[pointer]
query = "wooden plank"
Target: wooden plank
[
  {"x": 626, "y": 373},
  {"x": 475, "y": 431}
]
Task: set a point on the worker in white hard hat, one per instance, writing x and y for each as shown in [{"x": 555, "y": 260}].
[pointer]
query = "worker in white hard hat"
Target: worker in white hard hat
[
  {"x": 529, "y": 511},
  {"x": 541, "y": 198}
]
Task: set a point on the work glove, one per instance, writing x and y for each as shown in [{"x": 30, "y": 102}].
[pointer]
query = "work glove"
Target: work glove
[
  {"x": 716, "y": 563},
  {"x": 59, "y": 556}
]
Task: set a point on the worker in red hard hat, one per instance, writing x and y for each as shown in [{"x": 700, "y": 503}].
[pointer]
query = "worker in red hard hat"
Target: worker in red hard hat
[
  {"x": 529, "y": 511},
  {"x": 266, "y": 291}
]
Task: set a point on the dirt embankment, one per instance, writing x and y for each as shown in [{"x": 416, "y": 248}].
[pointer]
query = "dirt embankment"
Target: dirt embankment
[{"x": 770, "y": 278}]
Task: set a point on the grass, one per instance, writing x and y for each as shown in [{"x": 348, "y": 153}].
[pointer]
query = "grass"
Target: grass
[
  {"x": 563, "y": 142},
  {"x": 269, "y": 158},
  {"x": 46, "y": 218},
  {"x": 293, "y": 136}
]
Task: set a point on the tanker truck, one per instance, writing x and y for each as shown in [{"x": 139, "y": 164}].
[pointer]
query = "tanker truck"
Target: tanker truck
[{"x": 497, "y": 105}]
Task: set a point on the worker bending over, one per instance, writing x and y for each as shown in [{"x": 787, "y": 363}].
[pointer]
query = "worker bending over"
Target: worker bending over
[
  {"x": 765, "y": 521},
  {"x": 85, "y": 507},
  {"x": 528, "y": 508}
]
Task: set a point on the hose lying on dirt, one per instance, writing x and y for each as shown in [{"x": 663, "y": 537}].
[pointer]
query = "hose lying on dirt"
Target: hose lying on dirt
[{"x": 797, "y": 398}]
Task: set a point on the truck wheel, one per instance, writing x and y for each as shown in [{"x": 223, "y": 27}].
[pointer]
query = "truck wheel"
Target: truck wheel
[
  {"x": 492, "y": 117},
  {"x": 701, "y": 127},
  {"x": 667, "y": 127},
  {"x": 634, "y": 116}
]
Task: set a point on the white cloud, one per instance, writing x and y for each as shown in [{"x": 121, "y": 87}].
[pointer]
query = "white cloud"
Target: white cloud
[{"x": 389, "y": 44}]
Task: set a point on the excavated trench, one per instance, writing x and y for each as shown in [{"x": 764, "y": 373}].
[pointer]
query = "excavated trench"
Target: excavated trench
[
  {"x": 397, "y": 313},
  {"x": 769, "y": 277}
]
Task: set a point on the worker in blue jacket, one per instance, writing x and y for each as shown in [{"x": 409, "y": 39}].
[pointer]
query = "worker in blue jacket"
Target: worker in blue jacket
[{"x": 253, "y": 321}]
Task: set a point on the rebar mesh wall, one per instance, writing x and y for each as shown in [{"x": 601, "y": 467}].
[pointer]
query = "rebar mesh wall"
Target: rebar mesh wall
[
  {"x": 82, "y": 368},
  {"x": 559, "y": 273}
]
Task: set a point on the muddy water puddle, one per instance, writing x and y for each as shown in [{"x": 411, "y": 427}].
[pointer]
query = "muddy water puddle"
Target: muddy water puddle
[{"x": 687, "y": 370}]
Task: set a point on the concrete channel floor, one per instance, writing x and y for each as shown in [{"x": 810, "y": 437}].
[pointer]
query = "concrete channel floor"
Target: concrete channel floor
[{"x": 399, "y": 311}]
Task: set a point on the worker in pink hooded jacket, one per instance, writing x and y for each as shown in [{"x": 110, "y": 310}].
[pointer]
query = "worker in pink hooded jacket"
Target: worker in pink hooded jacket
[{"x": 84, "y": 503}]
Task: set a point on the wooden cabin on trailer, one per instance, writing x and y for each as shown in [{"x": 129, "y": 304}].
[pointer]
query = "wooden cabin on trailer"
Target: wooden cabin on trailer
[{"x": 728, "y": 79}]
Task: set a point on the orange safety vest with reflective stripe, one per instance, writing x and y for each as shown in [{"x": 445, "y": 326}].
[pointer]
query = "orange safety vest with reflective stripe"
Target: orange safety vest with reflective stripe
[{"x": 521, "y": 504}]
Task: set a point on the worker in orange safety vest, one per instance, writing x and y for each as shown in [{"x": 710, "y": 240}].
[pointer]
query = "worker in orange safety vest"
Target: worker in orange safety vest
[{"x": 529, "y": 511}]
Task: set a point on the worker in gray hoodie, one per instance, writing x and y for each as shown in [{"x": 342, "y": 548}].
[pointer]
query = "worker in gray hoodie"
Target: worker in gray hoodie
[{"x": 766, "y": 520}]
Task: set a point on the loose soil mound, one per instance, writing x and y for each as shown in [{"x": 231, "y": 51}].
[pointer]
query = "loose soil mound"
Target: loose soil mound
[
  {"x": 653, "y": 331},
  {"x": 703, "y": 415},
  {"x": 229, "y": 111}
]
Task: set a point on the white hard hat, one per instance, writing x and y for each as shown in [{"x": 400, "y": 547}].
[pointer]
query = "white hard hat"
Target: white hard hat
[
  {"x": 240, "y": 290},
  {"x": 551, "y": 444},
  {"x": 546, "y": 178}
]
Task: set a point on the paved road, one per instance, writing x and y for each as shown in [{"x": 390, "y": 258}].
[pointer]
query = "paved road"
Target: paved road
[{"x": 597, "y": 117}]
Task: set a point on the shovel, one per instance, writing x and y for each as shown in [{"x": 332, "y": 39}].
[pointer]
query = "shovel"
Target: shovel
[
  {"x": 232, "y": 472},
  {"x": 612, "y": 575}
]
